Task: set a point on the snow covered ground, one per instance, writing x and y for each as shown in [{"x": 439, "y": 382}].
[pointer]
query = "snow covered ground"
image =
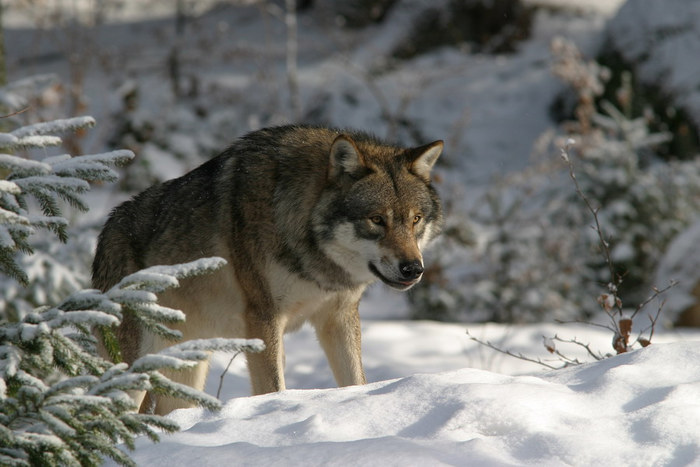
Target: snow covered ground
[{"x": 438, "y": 398}]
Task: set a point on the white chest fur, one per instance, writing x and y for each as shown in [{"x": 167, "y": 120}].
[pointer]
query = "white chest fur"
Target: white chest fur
[{"x": 296, "y": 299}]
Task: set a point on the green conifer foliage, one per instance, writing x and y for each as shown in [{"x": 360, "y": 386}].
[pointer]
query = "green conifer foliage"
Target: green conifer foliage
[{"x": 60, "y": 402}]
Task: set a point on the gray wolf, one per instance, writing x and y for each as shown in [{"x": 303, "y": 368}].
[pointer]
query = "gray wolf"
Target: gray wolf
[{"x": 306, "y": 217}]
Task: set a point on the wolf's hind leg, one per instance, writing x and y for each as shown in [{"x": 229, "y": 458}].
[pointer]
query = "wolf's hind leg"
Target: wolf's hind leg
[{"x": 338, "y": 331}]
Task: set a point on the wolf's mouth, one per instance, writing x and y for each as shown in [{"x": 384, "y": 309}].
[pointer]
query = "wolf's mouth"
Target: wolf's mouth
[{"x": 399, "y": 285}]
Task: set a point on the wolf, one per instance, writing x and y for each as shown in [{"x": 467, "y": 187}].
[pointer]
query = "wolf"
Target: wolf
[{"x": 306, "y": 218}]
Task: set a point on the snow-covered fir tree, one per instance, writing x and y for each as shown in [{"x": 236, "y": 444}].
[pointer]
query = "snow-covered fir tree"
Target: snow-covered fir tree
[{"x": 60, "y": 402}]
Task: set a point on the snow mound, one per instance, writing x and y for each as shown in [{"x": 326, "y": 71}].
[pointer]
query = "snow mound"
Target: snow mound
[{"x": 640, "y": 408}]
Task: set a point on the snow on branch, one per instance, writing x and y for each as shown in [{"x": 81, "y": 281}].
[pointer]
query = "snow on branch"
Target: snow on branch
[
  {"x": 87, "y": 407},
  {"x": 60, "y": 402},
  {"x": 183, "y": 391},
  {"x": 9, "y": 187},
  {"x": 136, "y": 294},
  {"x": 63, "y": 125},
  {"x": 90, "y": 167},
  {"x": 36, "y": 141},
  {"x": 59, "y": 178},
  {"x": 20, "y": 167},
  {"x": 41, "y": 135},
  {"x": 219, "y": 344},
  {"x": 193, "y": 268}
]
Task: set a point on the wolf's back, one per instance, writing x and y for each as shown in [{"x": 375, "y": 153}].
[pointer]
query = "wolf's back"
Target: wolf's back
[{"x": 161, "y": 225}]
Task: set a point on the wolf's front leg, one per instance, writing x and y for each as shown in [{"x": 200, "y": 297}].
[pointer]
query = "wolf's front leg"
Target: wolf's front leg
[
  {"x": 266, "y": 368},
  {"x": 338, "y": 330}
]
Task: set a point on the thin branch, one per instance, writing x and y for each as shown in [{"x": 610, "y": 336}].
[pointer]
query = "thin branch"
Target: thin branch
[
  {"x": 21, "y": 111},
  {"x": 567, "y": 361},
  {"x": 580, "y": 344},
  {"x": 656, "y": 293},
  {"x": 509, "y": 353},
  {"x": 651, "y": 327},
  {"x": 221, "y": 378},
  {"x": 653, "y": 320},
  {"x": 587, "y": 323},
  {"x": 614, "y": 284}
]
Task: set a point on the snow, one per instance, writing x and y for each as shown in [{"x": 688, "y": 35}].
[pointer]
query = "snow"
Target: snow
[
  {"x": 658, "y": 38},
  {"x": 9, "y": 187},
  {"x": 38, "y": 141},
  {"x": 438, "y": 398},
  {"x": 182, "y": 270},
  {"x": 62, "y": 125},
  {"x": 17, "y": 164},
  {"x": 231, "y": 345},
  {"x": 605, "y": 7}
]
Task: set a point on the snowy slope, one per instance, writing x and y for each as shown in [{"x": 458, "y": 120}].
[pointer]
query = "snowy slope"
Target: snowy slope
[{"x": 640, "y": 408}]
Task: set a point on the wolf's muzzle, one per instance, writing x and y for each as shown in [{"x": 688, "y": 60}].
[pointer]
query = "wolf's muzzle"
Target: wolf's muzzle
[
  {"x": 411, "y": 270},
  {"x": 409, "y": 275}
]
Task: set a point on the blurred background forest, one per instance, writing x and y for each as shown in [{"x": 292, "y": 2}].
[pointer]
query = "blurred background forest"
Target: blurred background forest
[{"x": 506, "y": 83}]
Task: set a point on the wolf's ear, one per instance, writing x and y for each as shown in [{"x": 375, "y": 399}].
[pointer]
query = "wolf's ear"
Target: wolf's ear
[
  {"x": 423, "y": 158},
  {"x": 344, "y": 157}
]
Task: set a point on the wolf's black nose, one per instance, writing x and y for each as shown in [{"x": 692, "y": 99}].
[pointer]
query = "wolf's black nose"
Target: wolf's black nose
[{"x": 411, "y": 269}]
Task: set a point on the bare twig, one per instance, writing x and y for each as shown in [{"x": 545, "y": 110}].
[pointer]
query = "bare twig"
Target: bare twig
[
  {"x": 587, "y": 323},
  {"x": 221, "y": 378},
  {"x": 652, "y": 325},
  {"x": 610, "y": 302},
  {"x": 575, "y": 341},
  {"x": 512, "y": 354},
  {"x": 656, "y": 293},
  {"x": 21, "y": 111},
  {"x": 615, "y": 279}
]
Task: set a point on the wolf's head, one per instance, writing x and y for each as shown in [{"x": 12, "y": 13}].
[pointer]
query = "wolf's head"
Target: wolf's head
[{"x": 379, "y": 210}]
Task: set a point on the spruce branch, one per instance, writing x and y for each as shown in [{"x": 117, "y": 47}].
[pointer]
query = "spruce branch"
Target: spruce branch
[
  {"x": 58, "y": 178},
  {"x": 87, "y": 409},
  {"x": 60, "y": 402}
]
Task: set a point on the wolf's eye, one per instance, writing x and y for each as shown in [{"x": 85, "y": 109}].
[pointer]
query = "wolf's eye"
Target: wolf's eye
[
  {"x": 417, "y": 219},
  {"x": 377, "y": 220}
]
